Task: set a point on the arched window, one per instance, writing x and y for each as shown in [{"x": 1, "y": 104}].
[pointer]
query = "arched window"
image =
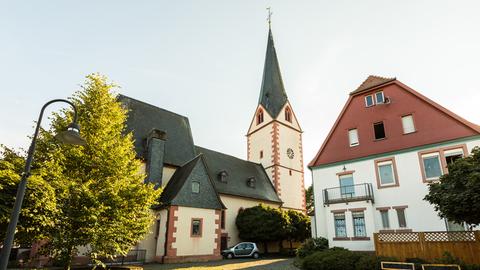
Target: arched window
[
  {"x": 260, "y": 116},
  {"x": 288, "y": 114}
]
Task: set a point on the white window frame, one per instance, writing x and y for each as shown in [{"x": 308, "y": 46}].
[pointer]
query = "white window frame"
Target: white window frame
[
  {"x": 352, "y": 144},
  {"x": 383, "y": 97},
  {"x": 364, "y": 223},
  {"x": 373, "y": 101},
  {"x": 383, "y": 163},
  {"x": 408, "y": 116},
  {"x": 439, "y": 159}
]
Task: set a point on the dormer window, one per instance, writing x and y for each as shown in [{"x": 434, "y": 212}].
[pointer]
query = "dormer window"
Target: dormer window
[
  {"x": 288, "y": 114},
  {"x": 222, "y": 176},
  {"x": 251, "y": 182},
  {"x": 379, "y": 98},
  {"x": 260, "y": 117}
]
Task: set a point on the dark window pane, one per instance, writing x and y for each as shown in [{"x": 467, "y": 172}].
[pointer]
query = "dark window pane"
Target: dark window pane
[
  {"x": 452, "y": 158},
  {"x": 379, "y": 130},
  {"x": 402, "y": 223},
  {"x": 222, "y": 221},
  {"x": 196, "y": 227},
  {"x": 385, "y": 220}
]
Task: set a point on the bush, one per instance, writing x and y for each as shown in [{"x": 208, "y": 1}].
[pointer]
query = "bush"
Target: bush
[
  {"x": 372, "y": 262},
  {"x": 448, "y": 258},
  {"x": 332, "y": 259},
  {"x": 418, "y": 262},
  {"x": 288, "y": 252},
  {"x": 312, "y": 245}
]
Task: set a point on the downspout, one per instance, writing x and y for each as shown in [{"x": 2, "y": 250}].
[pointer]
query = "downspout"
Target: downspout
[
  {"x": 314, "y": 205},
  {"x": 165, "y": 245}
]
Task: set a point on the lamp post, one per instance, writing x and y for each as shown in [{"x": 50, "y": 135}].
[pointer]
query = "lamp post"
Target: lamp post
[{"x": 69, "y": 136}]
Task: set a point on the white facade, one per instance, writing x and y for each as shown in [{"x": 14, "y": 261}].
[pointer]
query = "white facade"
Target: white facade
[{"x": 407, "y": 194}]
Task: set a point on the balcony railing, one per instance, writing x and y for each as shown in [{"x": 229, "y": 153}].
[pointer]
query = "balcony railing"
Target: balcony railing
[{"x": 344, "y": 194}]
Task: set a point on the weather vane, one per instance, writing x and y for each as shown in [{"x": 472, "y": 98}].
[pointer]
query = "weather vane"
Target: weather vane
[{"x": 269, "y": 18}]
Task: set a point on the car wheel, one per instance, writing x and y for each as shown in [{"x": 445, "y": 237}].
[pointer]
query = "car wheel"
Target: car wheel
[
  {"x": 229, "y": 256},
  {"x": 256, "y": 255}
]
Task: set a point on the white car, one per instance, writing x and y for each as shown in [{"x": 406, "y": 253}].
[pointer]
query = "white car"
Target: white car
[{"x": 244, "y": 249}]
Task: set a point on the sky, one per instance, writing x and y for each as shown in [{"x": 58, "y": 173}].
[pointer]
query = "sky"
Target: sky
[{"x": 204, "y": 59}]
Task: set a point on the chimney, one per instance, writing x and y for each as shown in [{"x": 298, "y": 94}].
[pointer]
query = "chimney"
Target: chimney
[{"x": 155, "y": 154}]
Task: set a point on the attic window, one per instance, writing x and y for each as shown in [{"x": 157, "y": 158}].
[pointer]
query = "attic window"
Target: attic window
[
  {"x": 379, "y": 130},
  {"x": 251, "y": 182},
  {"x": 379, "y": 98},
  {"x": 222, "y": 176},
  {"x": 260, "y": 117},
  {"x": 288, "y": 114},
  {"x": 369, "y": 101}
]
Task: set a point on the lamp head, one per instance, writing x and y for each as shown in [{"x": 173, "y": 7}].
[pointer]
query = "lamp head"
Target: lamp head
[{"x": 71, "y": 135}]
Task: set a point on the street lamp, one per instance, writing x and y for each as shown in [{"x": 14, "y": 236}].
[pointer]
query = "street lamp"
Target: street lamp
[{"x": 69, "y": 136}]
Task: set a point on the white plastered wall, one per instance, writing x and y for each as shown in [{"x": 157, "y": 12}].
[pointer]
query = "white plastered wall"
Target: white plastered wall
[
  {"x": 168, "y": 172},
  {"x": 163, "y": 216},
  {"x": 191, "y": 246},
  {"x": 266, "y": 120},
  {"x": 291, "y": 188},
  {"x": 261, "y": 140},
  {"x": 420, "y": 215},
  {"x": 281, "y": 117},
  {"x": 289, "y": 138},
  {"x": 149, "y": 242}
]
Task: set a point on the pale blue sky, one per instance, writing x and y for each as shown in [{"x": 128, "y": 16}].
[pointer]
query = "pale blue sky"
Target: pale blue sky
[{"x": 204, "y": 59}]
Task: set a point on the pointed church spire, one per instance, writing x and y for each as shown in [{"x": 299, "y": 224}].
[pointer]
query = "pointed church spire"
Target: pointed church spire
[{"x": 272, "y": 94}]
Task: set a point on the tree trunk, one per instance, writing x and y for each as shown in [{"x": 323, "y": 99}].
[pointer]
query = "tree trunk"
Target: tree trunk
[{"x": 291, "y": 246}]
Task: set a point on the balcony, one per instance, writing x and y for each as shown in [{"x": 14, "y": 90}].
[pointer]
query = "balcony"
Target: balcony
[{"x": 345, "y": 194}]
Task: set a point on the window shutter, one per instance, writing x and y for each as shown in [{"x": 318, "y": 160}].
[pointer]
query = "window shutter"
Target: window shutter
[
  {"x": 353, "y": 137},
  {"x": 407, "y": 122}
]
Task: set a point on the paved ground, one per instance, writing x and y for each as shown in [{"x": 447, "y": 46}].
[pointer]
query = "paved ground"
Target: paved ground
[{"x": 249, "y": 264}]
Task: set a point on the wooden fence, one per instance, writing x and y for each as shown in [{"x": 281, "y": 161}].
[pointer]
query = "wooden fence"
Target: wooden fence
[{"x": 429, "y": 245}]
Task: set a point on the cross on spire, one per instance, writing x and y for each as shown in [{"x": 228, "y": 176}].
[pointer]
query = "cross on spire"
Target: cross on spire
[{"x": 269, "y": 18}]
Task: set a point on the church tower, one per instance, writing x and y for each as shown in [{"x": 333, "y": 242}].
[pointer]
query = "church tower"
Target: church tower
[{"x": 274, "y": 138}]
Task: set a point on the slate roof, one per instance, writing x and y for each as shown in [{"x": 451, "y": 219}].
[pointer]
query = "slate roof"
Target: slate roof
[
  {"x": 178, "y": 190},
  {"x": 370, "y": 82},
  {"x": 272, "y": 94},
  {"x": 143, "y": 118},
  {"x": 239, "y": 171}
]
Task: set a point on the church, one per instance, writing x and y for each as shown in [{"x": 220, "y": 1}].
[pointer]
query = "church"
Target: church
[{"x": 203, "y": 190}]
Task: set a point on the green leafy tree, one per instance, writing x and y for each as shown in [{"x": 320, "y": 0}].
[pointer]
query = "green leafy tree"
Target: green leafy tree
[
  {"x": 457, "y": 195},
  {"x": 262, "y": 224},
  {"x": 102, "y": 201},
  {"x": 39, "y": 206},
  {"x": 299, "y": 226},
  {"x": 309, "y": 199}
]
